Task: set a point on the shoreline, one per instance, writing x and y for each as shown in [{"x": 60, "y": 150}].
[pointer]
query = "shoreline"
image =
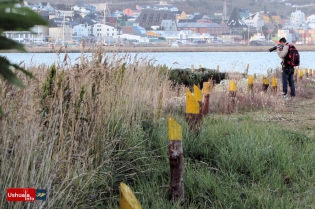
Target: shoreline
[{"x": 144, "y": 49}]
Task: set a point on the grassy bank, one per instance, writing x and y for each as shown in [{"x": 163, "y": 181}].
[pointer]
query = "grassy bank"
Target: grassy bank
[{"x": 80, "y": 132}]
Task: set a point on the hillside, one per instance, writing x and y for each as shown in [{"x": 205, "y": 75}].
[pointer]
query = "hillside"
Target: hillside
[
  {"x": 212, "y": 6},
  {"x": 208, "y": 6}
]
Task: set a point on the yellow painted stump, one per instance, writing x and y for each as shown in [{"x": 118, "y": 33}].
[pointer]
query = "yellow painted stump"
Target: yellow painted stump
[{"x": 127, "y": 199}]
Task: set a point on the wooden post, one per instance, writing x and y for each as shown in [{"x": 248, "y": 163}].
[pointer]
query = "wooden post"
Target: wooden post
[
  {"x": 232, "y": 96},
  {"x": 274, "y": 84},
  {"x": 127, "y": 199},
  {"x": 218, "y": 68},
  {"x": 246, "y": 70},
  {"x": 193, "y": 116},
  {"x": 311, "y": 73},
  {"x": 265, "y": 84},
  {"x": 306, "y": 72},
  {"x": 176, "y": 158},
  {"x": 206, "y": 92}
]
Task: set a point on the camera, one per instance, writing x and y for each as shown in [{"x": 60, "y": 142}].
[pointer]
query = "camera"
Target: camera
[{"x": 275, "y": 47}]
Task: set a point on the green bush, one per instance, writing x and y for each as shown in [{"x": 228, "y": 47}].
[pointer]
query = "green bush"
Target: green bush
[{"x": 188, "y": 78}]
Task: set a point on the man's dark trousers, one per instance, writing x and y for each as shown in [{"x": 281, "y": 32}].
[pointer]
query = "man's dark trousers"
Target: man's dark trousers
[{"x": 288, "y": 77}]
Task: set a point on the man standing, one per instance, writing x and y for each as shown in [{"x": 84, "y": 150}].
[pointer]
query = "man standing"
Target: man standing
[{"x": 287, "y": 70}]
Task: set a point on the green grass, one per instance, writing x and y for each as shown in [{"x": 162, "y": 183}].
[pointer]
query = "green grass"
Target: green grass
[{"x": 234, "y": 163}]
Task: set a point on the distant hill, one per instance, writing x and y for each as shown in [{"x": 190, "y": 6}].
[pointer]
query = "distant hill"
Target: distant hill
[{"x": 208, "y": 6}]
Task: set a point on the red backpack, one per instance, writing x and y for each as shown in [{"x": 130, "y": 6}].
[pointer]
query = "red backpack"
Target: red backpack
[{"x": 293, "y": 57}]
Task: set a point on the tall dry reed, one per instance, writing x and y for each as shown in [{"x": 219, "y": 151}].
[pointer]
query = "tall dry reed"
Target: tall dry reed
[{"x": 63, "y": 128}]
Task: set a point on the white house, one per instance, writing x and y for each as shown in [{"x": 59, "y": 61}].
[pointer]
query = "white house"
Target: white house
[
  {"x": 297, "y": 18},
  {"x": 311, "y": 19},
  {"x": 184, "y": 34},
  {"x": 101, "y": 30},
  {"x": 36, "y": 35},
  {"x": 254, "y": 20},
  {"x": 82, "y": 30},
  {"x": 169, "y": 25}
]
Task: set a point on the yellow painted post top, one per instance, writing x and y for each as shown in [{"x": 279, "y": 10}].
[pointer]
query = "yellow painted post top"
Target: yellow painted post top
[
  {"x": 197, "y": 93},
  {"x": 295, "y": 71},
  {"x": 206, "y": 87},
  {"x": 311, "y": 71},
  {"x": 192, "y": 106},
  {"x": 301, "y": 72},
  {"x": 127, "y": 199},
  {"x": 200, "y": 66},
  {"x": 174, "y": 130},
  {"x": 250, "y": 80},
  {"x": 232, "y": 85},
  {"x": 265, "y": 81},
  {"x": 274, "y": 81}
]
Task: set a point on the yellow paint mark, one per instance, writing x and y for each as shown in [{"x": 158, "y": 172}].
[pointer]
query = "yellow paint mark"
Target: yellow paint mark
[
  {"x": 232, "y": 86},
  {"x": 274, "y": 81},
  {"x": 197, "y": 93},
  {"x": 250, "y": 80},
  {"x": 206, "y": 87},
  {"x": 265, "y": 81},
  {"x": 192, "y": 106},
  {"x": 174, "y": 130},
  {"x": 301, "y": 73},
  {"x": 127, "y": 199}
]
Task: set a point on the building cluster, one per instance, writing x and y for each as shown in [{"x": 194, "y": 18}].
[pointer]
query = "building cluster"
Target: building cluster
[{"x": 96, "y": 24}]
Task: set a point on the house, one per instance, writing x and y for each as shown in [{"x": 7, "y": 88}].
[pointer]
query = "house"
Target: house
[
  {"x": 211, "y": 28},
  {"x": 128, "y": 12},
  {"x": 254, "y": 20},
  {"x": 61, "y": 13},
  {"x": 170, "y": 35},
  {"x": 311, "y": 21},
  {"x": 36, "y": 35},
  {"x": 274, "y": 19},
  {"x": 184, "y": 34},
  {"x": 60, "y": 34},
  {"x": 84, "y": 28},
  {"x": 149, "y": 17},
  {"x": 46, "y": 6},
  {"x": 193, "y": 18},
  {"x": 169, "y": 25},
  {"x": 297, "y": 18},
  {"x": 133, "y": 30},
  {"x": 100, "y": 31},
  {"x": 235, "y": 20},
  {"x": 182, "y": 16}
]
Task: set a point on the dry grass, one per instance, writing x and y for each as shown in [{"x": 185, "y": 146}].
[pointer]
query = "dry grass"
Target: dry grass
[{"x": 65, "y": 125}]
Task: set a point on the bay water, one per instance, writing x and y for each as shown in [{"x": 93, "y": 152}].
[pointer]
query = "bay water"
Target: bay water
[{"x": 259, "y": 62}]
